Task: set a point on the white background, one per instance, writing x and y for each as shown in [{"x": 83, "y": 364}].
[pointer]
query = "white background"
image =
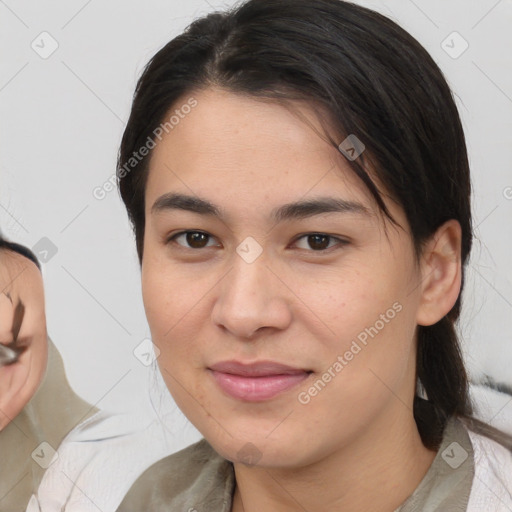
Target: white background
[{"x": 61, "y": 123}]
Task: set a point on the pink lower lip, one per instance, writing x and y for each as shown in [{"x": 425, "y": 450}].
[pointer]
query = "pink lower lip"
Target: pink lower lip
[{"x": 257, "y": 389}]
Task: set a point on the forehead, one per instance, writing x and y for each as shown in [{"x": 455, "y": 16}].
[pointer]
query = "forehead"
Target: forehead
[{"x": 234, "y": 143}]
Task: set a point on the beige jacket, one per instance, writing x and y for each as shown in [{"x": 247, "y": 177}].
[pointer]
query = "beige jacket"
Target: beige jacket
[{"x": 470, "y": 473}]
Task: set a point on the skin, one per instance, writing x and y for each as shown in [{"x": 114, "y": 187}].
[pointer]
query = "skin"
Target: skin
[
  {"x": 21, "y": 283},
  {"x": 355, "y": 443}
]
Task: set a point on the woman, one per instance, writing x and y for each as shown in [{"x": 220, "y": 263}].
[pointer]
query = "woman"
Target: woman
[{"x": 297, "y": 178}]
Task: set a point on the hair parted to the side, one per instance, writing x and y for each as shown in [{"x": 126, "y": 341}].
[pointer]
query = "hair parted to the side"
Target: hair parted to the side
[{"x": 373, "y": 80}]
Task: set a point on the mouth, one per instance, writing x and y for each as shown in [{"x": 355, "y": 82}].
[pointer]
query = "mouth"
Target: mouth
[{"x": 256, "y": 382}]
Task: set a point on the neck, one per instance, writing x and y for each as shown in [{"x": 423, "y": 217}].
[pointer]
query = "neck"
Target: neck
[{"x": 377, "y": 471}]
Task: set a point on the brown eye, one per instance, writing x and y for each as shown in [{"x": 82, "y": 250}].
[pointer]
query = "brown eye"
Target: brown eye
[
  {"x": 318, "y": 242},
  {"x": 196, "y": 239},
  {"x": 192, "y": 239}
]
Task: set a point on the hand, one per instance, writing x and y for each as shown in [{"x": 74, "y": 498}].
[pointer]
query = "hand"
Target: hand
[{"x": 22, "y": 325}]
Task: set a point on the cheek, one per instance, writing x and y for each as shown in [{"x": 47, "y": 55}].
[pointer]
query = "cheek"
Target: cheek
[
  {"x": 157, "y": 305},
  {"x": 349, "y": 299},
  {"x": 371, "y": 318},
  {"x": 168, "y": 304},
  {"x": 176, "y": 307},
  {"x": 166, "y": 293}
]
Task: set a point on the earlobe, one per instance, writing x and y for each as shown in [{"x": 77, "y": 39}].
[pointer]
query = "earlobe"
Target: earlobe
[{"x": 440, "y": 273}]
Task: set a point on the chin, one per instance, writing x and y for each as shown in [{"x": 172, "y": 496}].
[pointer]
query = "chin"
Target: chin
[{"x": 253, "y": 446}]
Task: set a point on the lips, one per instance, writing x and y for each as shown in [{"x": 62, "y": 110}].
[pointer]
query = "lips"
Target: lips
[{"x": 258, "y": 381}]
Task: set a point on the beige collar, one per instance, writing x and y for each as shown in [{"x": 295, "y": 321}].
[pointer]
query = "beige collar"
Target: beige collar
[{"x": 197, "y": 478}]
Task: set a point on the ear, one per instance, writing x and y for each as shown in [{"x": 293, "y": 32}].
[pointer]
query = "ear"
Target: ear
[{"x": 440, "y": 273}]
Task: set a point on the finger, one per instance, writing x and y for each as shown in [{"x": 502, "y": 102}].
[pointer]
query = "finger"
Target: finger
[
  {"x": 32, "y": 325},
  {"x": 19, "y": 312},
  {"x": 6, "y": 319}
]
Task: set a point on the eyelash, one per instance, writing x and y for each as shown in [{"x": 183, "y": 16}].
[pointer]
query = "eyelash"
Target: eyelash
[{"x": 340, "y": 242}]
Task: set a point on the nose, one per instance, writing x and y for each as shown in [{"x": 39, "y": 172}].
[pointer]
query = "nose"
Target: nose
[{"x": 251, "y": 300}]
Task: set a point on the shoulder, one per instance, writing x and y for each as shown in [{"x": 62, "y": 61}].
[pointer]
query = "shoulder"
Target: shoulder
[
  {"x": 193, "y": 478},
  {"x": 492, "y": 483}
]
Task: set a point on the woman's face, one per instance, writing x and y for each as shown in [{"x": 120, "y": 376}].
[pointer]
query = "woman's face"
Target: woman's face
[{"x": 262, "y": 247}]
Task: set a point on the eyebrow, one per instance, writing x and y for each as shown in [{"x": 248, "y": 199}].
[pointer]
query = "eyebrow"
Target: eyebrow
[
  {"x": 183, "y": 202},
  {"x": 290, "y": 211}
]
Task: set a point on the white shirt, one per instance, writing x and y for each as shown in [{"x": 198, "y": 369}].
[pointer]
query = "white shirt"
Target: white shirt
[
  {"x": 97, "y": 463},
  {"x": 492, "y": 484}
]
